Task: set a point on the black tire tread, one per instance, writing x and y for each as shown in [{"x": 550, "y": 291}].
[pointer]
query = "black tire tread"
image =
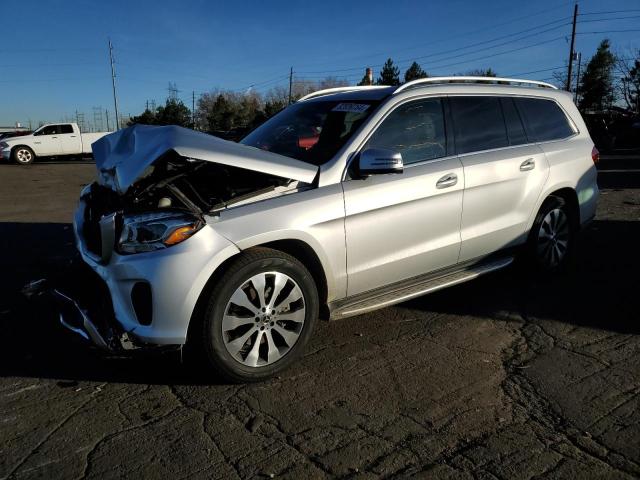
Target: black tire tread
[{"x": 203, "y": 345}]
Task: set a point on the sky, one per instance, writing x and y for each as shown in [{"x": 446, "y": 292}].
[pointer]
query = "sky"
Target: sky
[{"x": 54, "y": 58}]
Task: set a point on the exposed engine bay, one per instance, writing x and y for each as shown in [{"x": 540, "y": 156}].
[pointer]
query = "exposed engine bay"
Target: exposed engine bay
[{"x": 174, "y": 182}]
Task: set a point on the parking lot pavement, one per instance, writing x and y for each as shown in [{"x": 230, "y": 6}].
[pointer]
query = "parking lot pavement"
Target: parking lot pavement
[{"x": 502, "y": 377}]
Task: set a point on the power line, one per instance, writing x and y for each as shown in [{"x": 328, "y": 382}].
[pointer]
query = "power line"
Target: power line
[
  {"x": 500, "y": 53},
  {"x": 608, "y": 19},
  {"x": 466, "y": 34},
  {"x": 502, "y": 37},
  {"x": 608, "y": 31},
  {"x": 609, "y": 12}
]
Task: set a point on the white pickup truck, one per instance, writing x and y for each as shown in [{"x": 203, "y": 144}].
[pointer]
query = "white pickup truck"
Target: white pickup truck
[{"x": 51, "y": 140}]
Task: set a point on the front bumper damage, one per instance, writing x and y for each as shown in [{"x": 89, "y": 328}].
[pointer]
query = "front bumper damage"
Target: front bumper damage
[{"x": 83, "y": 308}]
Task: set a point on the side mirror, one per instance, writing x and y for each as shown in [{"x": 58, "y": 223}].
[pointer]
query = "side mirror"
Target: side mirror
[{"x": 378, "y": 161}]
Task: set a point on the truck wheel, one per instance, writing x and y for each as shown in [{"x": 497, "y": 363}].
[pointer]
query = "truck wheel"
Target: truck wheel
[
  {"x": 260, "y": 316},
  {"x": 23, "y": 155},
  {"x": 551, "y": 239}
]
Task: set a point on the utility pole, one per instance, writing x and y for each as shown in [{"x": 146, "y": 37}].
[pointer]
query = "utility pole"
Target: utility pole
[
  {"x": 106, "y": 114},
  {"x": 573, "y": 41},
  {"x": 290, "y": 83},
  {"x": 193, "y": 109},
  {"x": 578, "y": 76},
  {"x": 113, "y": 83}
]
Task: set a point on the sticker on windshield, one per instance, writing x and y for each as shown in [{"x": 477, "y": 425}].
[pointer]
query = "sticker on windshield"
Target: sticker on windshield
[{"x": 350, "y": 107}]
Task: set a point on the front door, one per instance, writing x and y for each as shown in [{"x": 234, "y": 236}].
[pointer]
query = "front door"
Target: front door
[
  {"x": 400, "y": 226},
  {"x": 47, "y": 142}
]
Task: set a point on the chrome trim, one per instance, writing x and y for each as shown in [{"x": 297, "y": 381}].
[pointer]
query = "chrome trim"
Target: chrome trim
[
  {"x": 431, "y": 285},
  {"x": 445, "y": 80},
  {"x": 107, "y": 237},
  {"x": 88, "y": 330},
  {"x": 328, "y": 91}
]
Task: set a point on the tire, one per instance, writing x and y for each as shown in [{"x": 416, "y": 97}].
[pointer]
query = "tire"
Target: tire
[
  {"x": 244, "y": 342},
  {"x": 552, "y": 238},
  {"x": 23, "y": 155}
]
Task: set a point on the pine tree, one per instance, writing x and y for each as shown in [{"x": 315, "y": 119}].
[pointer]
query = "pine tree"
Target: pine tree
[
  {"x": 390, "y": 74},
  {"x": 414, "y": 72},
  {"x": 596, "y": 86}
]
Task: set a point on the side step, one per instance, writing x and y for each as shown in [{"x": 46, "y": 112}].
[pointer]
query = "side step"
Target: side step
[{"x": 407, "y": 290}]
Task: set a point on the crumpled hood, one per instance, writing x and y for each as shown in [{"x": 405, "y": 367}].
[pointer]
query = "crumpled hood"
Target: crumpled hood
[{"x": 122, "y": 157}]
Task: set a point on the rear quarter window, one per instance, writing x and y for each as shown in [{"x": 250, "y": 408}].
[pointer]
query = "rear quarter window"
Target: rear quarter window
[{"x": 544, "y": 119}]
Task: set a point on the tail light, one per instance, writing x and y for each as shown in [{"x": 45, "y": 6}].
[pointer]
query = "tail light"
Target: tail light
[{"x": 595, "y": 155}]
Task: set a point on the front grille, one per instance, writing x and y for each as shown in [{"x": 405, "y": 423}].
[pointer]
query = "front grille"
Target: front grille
[{"x": 100, "y": 201}]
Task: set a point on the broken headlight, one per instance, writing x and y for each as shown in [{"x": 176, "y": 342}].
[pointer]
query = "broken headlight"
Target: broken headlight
[{"x": 154, "y": 231}]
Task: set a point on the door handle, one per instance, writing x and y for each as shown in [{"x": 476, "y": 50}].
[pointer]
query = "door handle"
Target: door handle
[
  {"x": 72, "y": 136},
  {"x": 449, "y": 180},
  {"x": 528, "y": 164},
  {"x": 54, "y": 137}
]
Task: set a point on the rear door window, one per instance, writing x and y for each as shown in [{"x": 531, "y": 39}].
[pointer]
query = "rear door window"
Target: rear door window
[
  {"x": 478, "y": 124},
  {"x": 66, "y": 128},
  {"x": 415, "y": 129},
  {"x": 515, "y": 129},
  {"x": 544, "y": 119}
]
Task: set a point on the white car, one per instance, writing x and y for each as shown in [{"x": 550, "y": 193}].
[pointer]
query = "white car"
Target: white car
[
  {"x": 51, "y": 140},
  {"x": 349, "y": 200}
]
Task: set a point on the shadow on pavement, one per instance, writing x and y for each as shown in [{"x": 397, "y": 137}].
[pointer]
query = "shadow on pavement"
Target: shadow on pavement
[{"x": 600, "y": 292}]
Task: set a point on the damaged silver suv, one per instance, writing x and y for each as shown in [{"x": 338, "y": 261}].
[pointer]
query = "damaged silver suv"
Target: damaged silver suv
[{"x": 349, "y": 200}]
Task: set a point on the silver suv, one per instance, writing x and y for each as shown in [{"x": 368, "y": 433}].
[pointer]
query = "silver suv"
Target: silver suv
[{"x": 347, "y": 201}]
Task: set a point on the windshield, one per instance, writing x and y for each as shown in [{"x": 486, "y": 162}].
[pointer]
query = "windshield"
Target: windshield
[{"x": 311, "y": 131}]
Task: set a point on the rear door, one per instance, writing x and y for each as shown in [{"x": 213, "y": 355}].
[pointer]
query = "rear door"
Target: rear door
[
  {"x": 47, "y": 141},
  {"x": 504, "y": 173},
  {"x": 399, "y": 226},
  {"x": 70, "y": 141}
]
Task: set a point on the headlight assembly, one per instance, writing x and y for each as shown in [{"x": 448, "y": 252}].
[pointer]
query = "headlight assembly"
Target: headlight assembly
[{"x": 154, "y": 231}]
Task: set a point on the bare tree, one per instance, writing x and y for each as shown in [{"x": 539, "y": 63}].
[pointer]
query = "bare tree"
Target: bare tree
[{"x": 628, "y": 87}]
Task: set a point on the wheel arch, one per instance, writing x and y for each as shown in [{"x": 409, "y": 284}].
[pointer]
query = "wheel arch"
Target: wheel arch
[
  {"x": 570, "y": 197},
  {"x": 16, "y": 147},
  {"x": 565, "y": 191},
  {"x": 298, "y": 249}
]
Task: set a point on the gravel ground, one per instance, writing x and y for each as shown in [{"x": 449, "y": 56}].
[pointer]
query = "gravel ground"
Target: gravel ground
[{"x": 502, "y": 377}]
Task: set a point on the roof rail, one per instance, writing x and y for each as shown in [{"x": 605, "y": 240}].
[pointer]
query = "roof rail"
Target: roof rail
[
  {"x": 328, "y": 91},
  {"x": 510, "y": 81}
]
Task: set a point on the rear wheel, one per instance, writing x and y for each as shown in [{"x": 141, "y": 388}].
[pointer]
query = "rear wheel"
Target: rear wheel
[
  {"x": 23, "y": 155},
  {"x": 260, "y": 316},
  {"x": 551, "y": 239}
]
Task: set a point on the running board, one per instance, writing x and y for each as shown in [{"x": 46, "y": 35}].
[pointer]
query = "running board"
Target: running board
[{"x": 407, "y": 290}]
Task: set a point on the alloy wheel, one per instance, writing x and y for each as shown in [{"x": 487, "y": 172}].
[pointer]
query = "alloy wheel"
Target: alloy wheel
[
  {"x": 553, "y": 238},
  {"x": 263, "y": 319},
  {"x": 24, "y": 156}
]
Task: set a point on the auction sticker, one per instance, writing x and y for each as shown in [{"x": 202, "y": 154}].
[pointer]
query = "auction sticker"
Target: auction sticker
[{"x": 350, "y": 107}]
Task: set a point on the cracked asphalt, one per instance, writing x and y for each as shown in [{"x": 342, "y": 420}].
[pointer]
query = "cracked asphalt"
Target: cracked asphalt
[{"x": 505, "y": 377}]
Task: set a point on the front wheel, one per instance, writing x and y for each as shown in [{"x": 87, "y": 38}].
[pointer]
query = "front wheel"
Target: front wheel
[
  {"x": 260, "y": 316},
  {"x": 551, "y": 239},
  {"x": 23, "y": 155}
]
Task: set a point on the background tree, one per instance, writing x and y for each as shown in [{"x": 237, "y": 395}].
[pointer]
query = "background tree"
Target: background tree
[
  {"x": 596, "y": 84},
  {"x": 173, "y": 112},
  {"x": 332, "y": 82},
  {"x": 390, "y": 74},
  {"x": 147, "y": 117},
  {"x": 481, "y": 72},
  {"x": 629, "y": 85},
  {"x": 414, "y": 72}
]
